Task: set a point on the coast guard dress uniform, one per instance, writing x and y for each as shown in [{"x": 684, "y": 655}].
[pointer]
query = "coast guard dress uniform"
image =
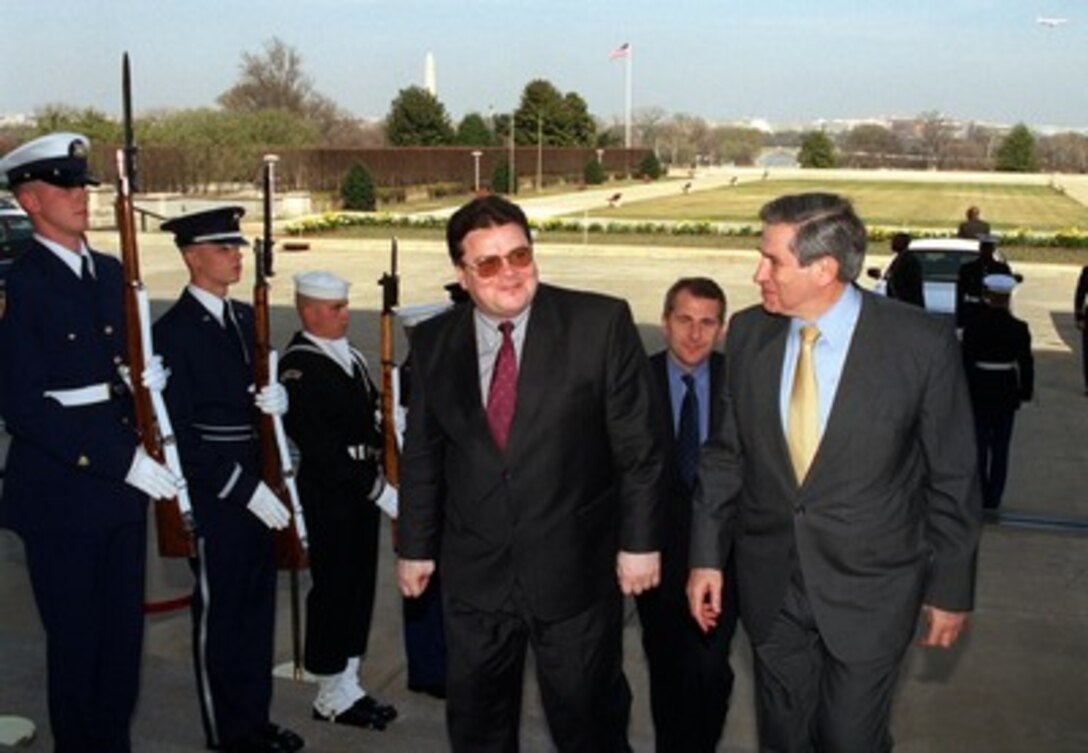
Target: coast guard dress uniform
[
  {"x": 207, "y": 342},
  {"x": 71, "y": 490}
]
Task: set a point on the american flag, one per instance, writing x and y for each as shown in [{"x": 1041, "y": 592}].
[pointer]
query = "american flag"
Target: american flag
[{"x": 620, "y": 52}]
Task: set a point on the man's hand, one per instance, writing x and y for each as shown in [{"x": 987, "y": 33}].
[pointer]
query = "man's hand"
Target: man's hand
[
  {"x": 942, "y": 628},
  {"x": 272, "y": 399},
  {"x": 268, "y": 508},
  {"x": 705, "y": 596},
  {"x": 638, "y": 571},
  {"x": 154, "y": 376},
  {"x": 413, "y": 576}
]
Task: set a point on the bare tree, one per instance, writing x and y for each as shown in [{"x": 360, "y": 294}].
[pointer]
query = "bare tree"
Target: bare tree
[{"x": 270, "y": 81}]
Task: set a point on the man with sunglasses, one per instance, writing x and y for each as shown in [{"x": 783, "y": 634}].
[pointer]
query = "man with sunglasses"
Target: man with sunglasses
[{"x": 530, "y": 475}]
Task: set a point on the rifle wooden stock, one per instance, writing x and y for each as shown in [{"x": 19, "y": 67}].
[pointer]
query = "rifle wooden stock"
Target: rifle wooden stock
[
  {"x": 174, "y": 529},
  {"x": 390, "y": 284},
  {"x": 290, "y": 551}
]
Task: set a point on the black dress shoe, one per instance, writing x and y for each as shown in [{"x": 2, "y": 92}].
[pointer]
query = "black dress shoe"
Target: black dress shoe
[
  {"x": 357, "y": 715},
  {"x": 385, "y": 711},
  {"x": 434, "y": 691},
  {"x": 283, "y": 739}
]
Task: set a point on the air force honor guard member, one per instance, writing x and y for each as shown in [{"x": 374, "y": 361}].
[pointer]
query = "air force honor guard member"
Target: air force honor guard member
[
  {"x": 207, "y": 341},
  {"x": 77, "y": 479},
  {"x": 334, "y": 423}
]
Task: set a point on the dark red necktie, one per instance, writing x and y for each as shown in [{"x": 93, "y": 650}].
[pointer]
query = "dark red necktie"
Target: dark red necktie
[{"x": 503, "y": 394}]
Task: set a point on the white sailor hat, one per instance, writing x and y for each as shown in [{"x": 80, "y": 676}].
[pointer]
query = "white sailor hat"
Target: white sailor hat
[
  {"x": 56, "y": 158},
  {"x": 410, "y": 316},
  {"x": 1001, "y": 284},
  {"x": 322, "y": 285},
  {"x": 215, "y": 226}
]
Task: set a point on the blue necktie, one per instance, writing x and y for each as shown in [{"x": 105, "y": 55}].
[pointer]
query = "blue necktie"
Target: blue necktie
[{"x": 687, "y": 434}]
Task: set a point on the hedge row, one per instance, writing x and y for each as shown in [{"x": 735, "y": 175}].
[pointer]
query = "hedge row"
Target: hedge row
[{"x": 1064, "y": 238}]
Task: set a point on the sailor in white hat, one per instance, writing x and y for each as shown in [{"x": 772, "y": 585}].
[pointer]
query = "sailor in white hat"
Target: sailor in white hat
[
  {"x": 77, "y": 479},
  {"x": 1001, "y": 375},
  {"x": 335, "y": 424}
]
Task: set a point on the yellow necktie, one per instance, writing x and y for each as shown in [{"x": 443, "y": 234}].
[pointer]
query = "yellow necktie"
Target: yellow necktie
[{"x": 803, "y": 424}]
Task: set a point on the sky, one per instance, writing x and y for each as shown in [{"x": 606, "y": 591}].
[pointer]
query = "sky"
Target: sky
[{"x": 786, "y": 61}]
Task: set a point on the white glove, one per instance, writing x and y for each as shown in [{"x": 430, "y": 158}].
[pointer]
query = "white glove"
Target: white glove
[
  {"x": 272, "y": 399},
  {"x": 155, "y": 375},
  {"x": 151, "y": 477},
  {"x": 267, "y": 507},
  {"x": 388, "y": 501}
]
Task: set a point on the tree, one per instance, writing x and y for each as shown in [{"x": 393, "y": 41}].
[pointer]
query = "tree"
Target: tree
[
  {"x": 936, "y": 133},
  {"x": 870, "y": 138},
  {"x": 1017, "y": 152},
  {"x": 473, "y": 131},
  {"x": 92, "y": 123},
  {"x": 417, "y": 118},
  {"x": 500, "y": 178},
  {"x": 649, "y": 167},
  {"x": 559, "y": 119},
  {"x": 593, "y": 173},
  {"x": 357, "y": 189},
  {"x": 275, "y": 80},
  {"x": 816, "y": 150}
]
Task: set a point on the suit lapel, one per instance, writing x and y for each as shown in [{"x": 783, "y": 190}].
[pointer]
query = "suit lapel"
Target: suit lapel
[{"x": 766, "y": 378}]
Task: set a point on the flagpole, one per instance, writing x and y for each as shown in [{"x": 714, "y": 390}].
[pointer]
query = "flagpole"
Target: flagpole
[{"x": 627, "y": 99}]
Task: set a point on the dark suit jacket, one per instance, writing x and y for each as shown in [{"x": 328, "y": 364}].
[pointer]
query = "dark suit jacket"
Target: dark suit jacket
[
  {"x": 66, "y": 465},
  {"x": 888, "y": 516},
  {"x": 676, "y": 525},
  {"x": 579, "y": 479}
]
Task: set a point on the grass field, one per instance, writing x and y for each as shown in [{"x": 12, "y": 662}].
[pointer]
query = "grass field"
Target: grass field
[{"x": 892, "y": 203}]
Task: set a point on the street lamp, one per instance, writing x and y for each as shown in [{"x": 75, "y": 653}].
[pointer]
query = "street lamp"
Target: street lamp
[
  {"x": 476, "y": 154},
  {"x": 539, "y": 150}
]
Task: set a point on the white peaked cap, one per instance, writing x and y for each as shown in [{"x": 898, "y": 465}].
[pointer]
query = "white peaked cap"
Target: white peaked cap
[{"x": 322, "y": 285}]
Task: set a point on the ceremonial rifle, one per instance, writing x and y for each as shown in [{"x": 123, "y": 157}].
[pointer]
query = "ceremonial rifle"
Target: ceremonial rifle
[
  {"x": 173, "y": 517},
  {"x": 276, "y": 469},
  {"x": 390, "y": 284}
]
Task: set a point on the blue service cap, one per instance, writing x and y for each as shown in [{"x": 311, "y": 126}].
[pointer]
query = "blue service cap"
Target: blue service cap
[
  {"x": 216, "y": 226},
  {"x": 56, "y": 158}
]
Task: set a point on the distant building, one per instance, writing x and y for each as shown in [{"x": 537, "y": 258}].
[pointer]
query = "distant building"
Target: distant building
[{"x": 430, "y": 81}]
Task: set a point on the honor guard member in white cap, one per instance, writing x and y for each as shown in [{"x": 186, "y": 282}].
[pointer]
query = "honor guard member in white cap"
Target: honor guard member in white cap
[
  {"x": 207, "y": 341},
  {"x": 334, "y": 422},
  {"x": 1000, "y": 375},
  {"x": 77, "y": 480}
]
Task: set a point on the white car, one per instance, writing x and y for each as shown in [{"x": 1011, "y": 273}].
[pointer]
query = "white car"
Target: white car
[
  {"x": 15, "y": 231},
  {"x": 941, "y": 259}
]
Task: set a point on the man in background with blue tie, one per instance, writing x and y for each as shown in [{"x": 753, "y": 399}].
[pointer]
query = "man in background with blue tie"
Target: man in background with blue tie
[
  {"x": 843, "y": 481},
  {"x": 690, "y": 676}
]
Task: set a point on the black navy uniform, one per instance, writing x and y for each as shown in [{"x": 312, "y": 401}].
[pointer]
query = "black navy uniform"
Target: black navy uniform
[
  {"x": 969, "y": 286},
  {"x": 1080, "y": 314},
  {"x": 333, "y": 423},
  {"x": 84, "y": 529},
  {"x": 211, "y": 405},
  {"x": 1000, "y": 374}
]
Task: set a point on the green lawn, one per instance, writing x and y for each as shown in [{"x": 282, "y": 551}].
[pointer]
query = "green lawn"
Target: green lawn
[{"x": 892, "y": 203}]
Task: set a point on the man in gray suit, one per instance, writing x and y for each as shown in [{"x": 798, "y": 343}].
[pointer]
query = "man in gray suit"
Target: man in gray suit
[
  {"x": 530, "y": 479},
  {"x": 843, "y": 478}
]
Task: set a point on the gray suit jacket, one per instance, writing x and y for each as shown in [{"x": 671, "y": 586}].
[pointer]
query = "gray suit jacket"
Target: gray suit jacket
[{"x": 889, "y": 514}]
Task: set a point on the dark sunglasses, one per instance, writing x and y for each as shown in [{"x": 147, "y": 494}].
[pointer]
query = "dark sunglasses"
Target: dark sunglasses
[{"x": 489, "y": 266}]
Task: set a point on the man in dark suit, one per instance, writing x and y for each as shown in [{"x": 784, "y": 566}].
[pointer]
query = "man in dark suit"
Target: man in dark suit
[
  {"x": 1000, "y": 375},
  {"x": 690, "y": 677},
  {"x": 531, "y": 471},
  {"x": 77, "y": 480},
  {"x": 843, "y": 479},
  {"x": 207, "y": 341},
  {"x": 973, "y": 225},
  {"x": 905, "y": 281},
  {"x": 334, "y": 422},
  {"x": 1080, "y": 315},
  {"x": 970, "y": 276}
]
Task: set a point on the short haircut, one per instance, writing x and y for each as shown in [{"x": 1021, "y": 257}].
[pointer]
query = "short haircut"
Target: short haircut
[
  {"x": 482, "y": 212},
  {"x": 698, "y": 287},
  {"x": 826, "y": 225},
  {"x": 900, "y": 242}
]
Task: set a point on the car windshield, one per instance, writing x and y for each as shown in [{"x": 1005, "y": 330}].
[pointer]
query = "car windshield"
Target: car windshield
[{"x": 941, "y": 266}]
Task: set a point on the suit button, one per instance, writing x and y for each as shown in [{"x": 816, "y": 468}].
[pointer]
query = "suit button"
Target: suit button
[
  {"x": 108, "y": 329},
  {"x": 117, "y": 360},
  {"x": 507, "y": 475}
]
